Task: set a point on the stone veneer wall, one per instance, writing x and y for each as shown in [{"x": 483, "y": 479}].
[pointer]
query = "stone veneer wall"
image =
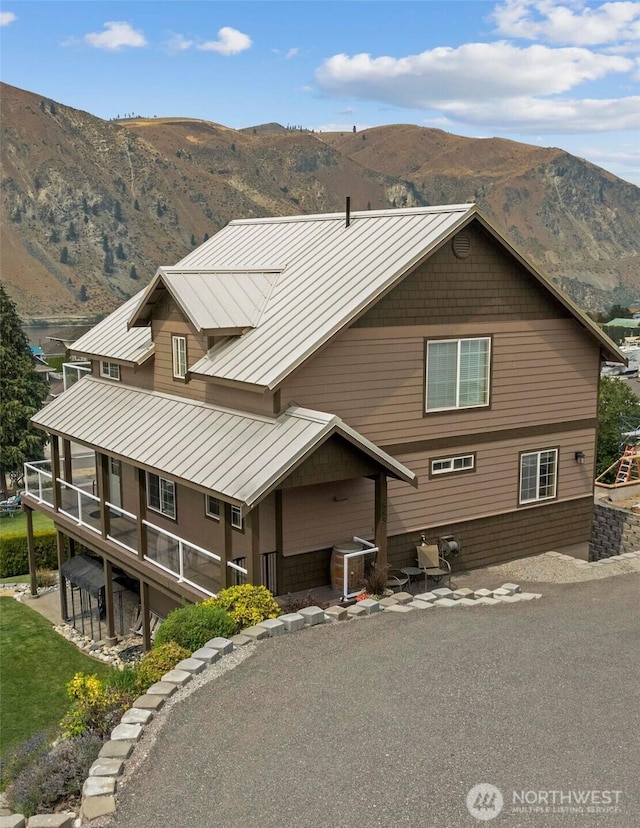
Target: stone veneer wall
[{"x": 615, "y": 531}]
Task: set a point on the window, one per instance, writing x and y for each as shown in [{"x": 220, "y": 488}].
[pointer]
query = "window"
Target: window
[
  {"x": 453, "y": 464},
  {"x": 111, "y": 370},
  {"x": 161, "y": 495},
  {"x": 457, "y": 373},
  {"x": 538, "y": 475},
  {"x": 179, "y": 354},
  {"x": 212, "y": 507},
  {"x": 236, "y": 517}
]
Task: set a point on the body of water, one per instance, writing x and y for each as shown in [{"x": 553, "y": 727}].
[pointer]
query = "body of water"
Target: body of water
[{"x": 40, "y": 335}]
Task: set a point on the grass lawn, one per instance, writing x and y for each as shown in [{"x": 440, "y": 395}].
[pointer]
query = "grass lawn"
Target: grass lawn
[
  {"x": 17, "y": 525},
  {"x": 15, "y": 579},
  {"x": 35, "y": 664}
]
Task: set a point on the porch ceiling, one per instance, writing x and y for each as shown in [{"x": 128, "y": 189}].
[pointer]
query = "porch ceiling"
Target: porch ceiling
[{"x": 238, "y": 456}]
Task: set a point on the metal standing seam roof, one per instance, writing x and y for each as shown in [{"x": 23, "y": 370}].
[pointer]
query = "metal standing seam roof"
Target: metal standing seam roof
[
  {"x": 212, "y": 300},
  {"x": 332, "y": 273},
  {"x": 111, "y": 339},
  {"x": 235, "y": 455}
]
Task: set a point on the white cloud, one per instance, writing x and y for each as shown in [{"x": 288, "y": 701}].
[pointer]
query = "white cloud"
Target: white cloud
[
  {"x": 292, "y": 53},
  {"x": 178, "y": 43},
  {"x": 473, "y": 72},
  {"x": 570, "y": 22},
  {"x": 338, "y": 127},
  {"x": 115, "y": 36},
  {"x": 6, "y": 18},
  {"x": 230, "y": 42}
]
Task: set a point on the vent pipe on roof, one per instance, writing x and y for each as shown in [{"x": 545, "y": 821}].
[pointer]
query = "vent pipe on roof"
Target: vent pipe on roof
[{"x": 348, "y": 211}]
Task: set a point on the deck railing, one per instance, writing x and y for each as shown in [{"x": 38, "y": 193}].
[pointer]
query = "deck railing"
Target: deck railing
[
  {"x": 38, "y": 481},
  {"x": 123, "y": 528},
  {"x": 73, "y": 371},
  {"x": 81, "y": 506}
]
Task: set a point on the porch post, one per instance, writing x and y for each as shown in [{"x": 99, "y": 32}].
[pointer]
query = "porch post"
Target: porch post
[
  {"x": 252, "y": 525},
  {"x": 103, "y": 492},
  {"x": 380, "y": 517},
  {"x": 55, "y": 471},
  {"x": 108, "y": 598},
  {"x": 68, "y": 468},
  {"x": 279, "y": 543},
  {"x": 146, "y": 621},
  {"x": 142, "y": 511},
  {"x": 227, "y": 575},
  {"x": 62, "y": 580},
  {"x": 31, "y": 551}
]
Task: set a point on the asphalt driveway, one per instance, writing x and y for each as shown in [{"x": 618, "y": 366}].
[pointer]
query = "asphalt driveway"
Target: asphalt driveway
[{"x": 392, "y": 720}]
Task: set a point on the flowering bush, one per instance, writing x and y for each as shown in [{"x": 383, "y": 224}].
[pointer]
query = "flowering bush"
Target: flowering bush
[
  {"x": 247, "y": 604},
  {"x": 157, "y": 662},
  {"x": 362, "y": 596},
  {"x": 94, "y": 708}
]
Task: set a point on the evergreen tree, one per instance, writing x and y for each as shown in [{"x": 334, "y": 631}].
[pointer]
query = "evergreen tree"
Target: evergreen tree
[
  {"x": 72, "y": 233},
  {"x": 108, "y": 262},
  {"x": 105, "y": 242},
  {"x": 82, "y": 295},
  {"x": 22, "y": 393},
  {"x": 120, "y": 254},
  {"x": 54, "y": 238},
  {"x": 64, "y": 255},
  {"x": 133, "y": 273},
  {"x": 193, "y": 240},
  {"x": 615, "y": 400},
  {"x": 206, "y": 236},
  {"x": 117, "y": 211},
  {"x": 136, "y": 205}
]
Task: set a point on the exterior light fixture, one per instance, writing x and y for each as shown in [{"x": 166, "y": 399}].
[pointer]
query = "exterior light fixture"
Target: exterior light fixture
[{"x": 580, "y": 457}]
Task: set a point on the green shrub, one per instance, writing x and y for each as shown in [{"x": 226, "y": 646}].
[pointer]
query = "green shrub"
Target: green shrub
[
  {"x": 14, "y": 557},
  {"x": 122, "y": 681},
  {"x": 194, "y": 625},
  {"x": 22, "y": 756},
  {"x": 46, "y": 577},
  {"x": 247, "y": 604},
  {"x": 157, "y": 662}
]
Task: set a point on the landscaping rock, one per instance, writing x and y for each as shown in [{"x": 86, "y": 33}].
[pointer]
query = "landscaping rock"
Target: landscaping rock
[
  {"x": 12, "y": 821},
  {"x": 206, "y": 654},
  {"x": 443, "y": 592},
  {"x": 273, "y": 626},
  {"x": 427, "y": 597},
  {"x": 445, "y": 602},
  {"x": 466, "y": 602},
  {"x": 161, "y": 688},
  {"x": 389, "y": 601},
  {"x": 399, "y": 608},
  {"x": 240, "y": 640},
  {"x": 483, "y": 593},
  {"x": 190, "y": 665},
  {"x": 97, "y": 806},
  {"x": 135, "y": 715},
  {"x": 357, "y": 611},
  {"x": 222, "y": 645},
  {"x": 514, "y": 588},
  {"x": 486, "y": 601},
  {"x": 116, "y": 750},
  {"x": 149, "y": 702},
  {"x": 106, "y": 767},
  {"x": 127, "y": 733},
  {"x": 336, "y": 613},
  {"x": 501, "y": 593},
  {"x": 463, "y": 593},
  {"x": 403, "y": 597},
  {"x": 370, "y": 606},
  {"x": 99, "y": 786},
  {"x": 530, "y": 596},
  {"x": 51, "y": 821},
  {"x": 292, "y": 621},
  {"x": 256, "y": 633},
  {"x": 179, "y": 677},
  {"x": 312, "y": 616},
  {"x": 416, "y": 604}
]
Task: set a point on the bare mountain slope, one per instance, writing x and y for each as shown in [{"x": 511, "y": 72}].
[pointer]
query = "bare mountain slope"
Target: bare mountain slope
[{"x": 90, "y": 208}]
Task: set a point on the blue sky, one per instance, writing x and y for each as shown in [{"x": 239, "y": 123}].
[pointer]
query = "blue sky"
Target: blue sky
[{"x": 564, "y": 74}]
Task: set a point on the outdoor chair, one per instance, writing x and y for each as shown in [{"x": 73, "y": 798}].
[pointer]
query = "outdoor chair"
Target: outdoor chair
[
  {"x": 433, "y": 563},
  {"x": 396, "y": 580}
]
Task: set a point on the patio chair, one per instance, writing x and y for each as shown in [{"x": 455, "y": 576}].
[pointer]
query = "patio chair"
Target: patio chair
[
  {"x": 433, "y": 563},
  {"x": 396, "y": 580}
]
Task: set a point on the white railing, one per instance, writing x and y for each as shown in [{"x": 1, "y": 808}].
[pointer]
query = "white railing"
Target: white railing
[
  {"x": 369, "y": 549},
  {"x": 189, "y": 563},
  {"x": 73, "y": 371},
  {"x": 38, "y": 481},
  {"x": 80, "y": 506},
  {"x": 123, "y": 528}
]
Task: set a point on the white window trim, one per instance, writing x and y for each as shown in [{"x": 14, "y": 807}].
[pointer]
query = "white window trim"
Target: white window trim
[
  {"x": 447, "y": 465},
  {"x": 457, "y": 406},
  {"x": 171, "y": 487},
  {"x": 110, "y": 370},
  {"x": 236, "y": 517},
  {"x": 538, "y": 497},
  {"x": 179, "y": 356},
  {"x": 208, "y": 513}
]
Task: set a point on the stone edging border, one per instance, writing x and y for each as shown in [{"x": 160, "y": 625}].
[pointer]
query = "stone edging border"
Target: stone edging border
[
  {"x": 98, "y": 795},
  {"x": 591, "y": 564}
]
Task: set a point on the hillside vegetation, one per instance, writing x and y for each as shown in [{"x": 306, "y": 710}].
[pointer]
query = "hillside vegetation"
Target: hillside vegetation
[{"x": 90, "y": 208}]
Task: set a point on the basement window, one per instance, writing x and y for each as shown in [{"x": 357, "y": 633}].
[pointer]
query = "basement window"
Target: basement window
[{"x": 445, "y": 465}]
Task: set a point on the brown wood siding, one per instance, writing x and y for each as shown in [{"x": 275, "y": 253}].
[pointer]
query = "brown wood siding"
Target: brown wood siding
[
  {"x": 318, "y": 516},
  {"x": 336, "y": 459},
  {"x": 486, "y": 286},
  {"x": 505, "y": 537},
  {"x": 168, "y": 320},
  {"x": 239, "y": 399},
  {"x": 373, "y": 378},
  {"x": 141, "y": 377}
]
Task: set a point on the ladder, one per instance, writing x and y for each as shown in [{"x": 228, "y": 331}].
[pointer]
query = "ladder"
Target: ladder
[{"x": 626, "y": 464}]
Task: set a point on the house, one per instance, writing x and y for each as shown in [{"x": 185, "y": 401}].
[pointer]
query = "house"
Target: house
[{"x": 296, "y": 381}]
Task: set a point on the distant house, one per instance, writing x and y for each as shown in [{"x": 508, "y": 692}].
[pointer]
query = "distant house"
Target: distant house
[{"x": 296, "y": 381}]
